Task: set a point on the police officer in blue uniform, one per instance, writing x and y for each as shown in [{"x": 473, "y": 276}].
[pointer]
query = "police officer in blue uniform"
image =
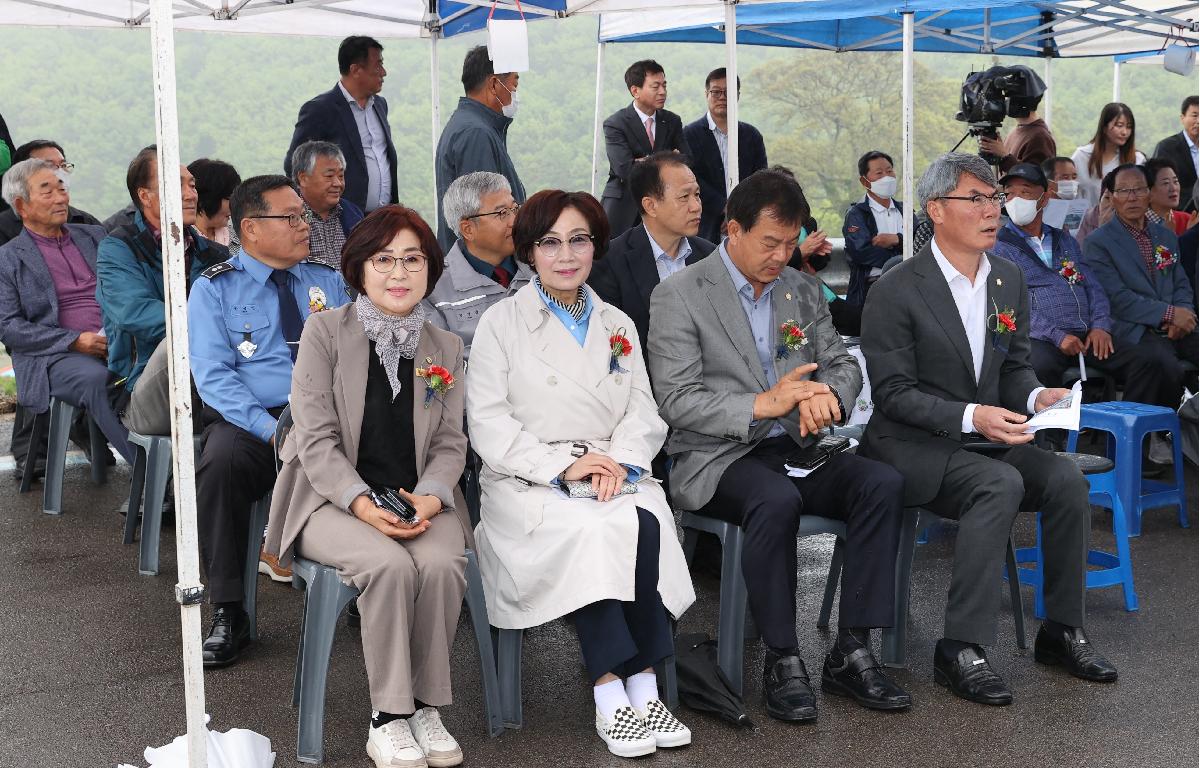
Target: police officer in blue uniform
[{"x": 245, "y": 317}]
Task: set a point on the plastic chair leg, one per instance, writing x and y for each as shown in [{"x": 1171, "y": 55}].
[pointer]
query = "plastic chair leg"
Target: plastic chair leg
[
  {"x": 137, "y": 487},
  {"x": 831, "y": 582},
  {"x": 324, "y": 603},
  {"x": 895, "y": 637},
  {"x": 732, "y": 612},
  {"x": 483, "y": 642},
  {"x": 258, "y": 525},
  {"x": 670, "y": 684},
  {"x": 98, "y": 446},
  {"x": 1121, "y": 534},
  {"x": 690, "y": 537},
  {"x": 297, "y": 676},
  {"x": 1014, "y": 591},
  {"x": 508, "y": 673},
  {"x": 1179, "y": 482},
  {"x": 36, "y": 432},
  {"x": 61, "y": 416},
  {"x": 158, "y": 474}
]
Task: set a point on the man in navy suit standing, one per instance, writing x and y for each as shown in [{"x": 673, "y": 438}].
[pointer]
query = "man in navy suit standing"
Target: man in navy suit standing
[
  {"x": 708, "y": 139},
  {"x": 354, "y": 116},
  {"x": 634, "y": 132}
]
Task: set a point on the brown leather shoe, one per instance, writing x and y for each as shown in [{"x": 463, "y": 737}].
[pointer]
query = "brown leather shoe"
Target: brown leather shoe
[{"x": 268, "y": 565}]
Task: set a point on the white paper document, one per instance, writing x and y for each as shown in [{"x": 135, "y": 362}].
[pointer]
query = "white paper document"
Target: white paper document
[{"x": 1062, "y": 415}]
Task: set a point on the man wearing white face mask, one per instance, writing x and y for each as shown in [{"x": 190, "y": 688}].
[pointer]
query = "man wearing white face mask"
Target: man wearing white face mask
[
  {"x": 873, "y": 227},
  {"x": 1066, "y": 208},
  {"x": 1069, "y": 311},
  {"x": 476, "y": 135}
]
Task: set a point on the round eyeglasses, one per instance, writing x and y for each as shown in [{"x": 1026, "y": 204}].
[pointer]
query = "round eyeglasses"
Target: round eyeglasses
[
  {"x": 579, "y": 245},
  {"x": 385, "y": 263}
]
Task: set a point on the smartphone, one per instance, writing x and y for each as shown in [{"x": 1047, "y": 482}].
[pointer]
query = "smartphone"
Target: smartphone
[
  {"x": 813, "y": 456},
  {"x": 392, "y": 502}
]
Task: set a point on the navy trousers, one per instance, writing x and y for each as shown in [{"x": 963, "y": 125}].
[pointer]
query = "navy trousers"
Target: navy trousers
[{"x": 626, "y": 638}]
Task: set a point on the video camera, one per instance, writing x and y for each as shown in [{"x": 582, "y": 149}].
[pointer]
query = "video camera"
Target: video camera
[{"x": 989, "y": 96}]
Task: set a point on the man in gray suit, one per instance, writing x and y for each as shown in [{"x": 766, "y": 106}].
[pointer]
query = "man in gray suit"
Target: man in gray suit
[
  {"x": 946, "y": 338},
  {"x": 49, "y": 317},
  {"x": 747, "y": 368}
]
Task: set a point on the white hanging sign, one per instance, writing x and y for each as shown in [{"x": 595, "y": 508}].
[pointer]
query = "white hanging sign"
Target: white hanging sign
[{"x": 508, "y": 43}]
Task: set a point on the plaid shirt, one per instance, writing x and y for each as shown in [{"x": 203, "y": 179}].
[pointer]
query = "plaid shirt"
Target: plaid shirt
[
  {"x": 1146, "y": 250},
  {"x": 325, "y": 237}
]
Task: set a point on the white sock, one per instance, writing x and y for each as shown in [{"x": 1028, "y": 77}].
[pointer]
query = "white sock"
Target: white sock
[
  {"x": 610, "y": 697},
  {"x": 641, "y": 689}
]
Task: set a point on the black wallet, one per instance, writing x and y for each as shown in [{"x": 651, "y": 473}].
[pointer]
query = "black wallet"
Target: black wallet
[
  {"x": 813, "y": 456},
  {"x": 388, "y": 499}
]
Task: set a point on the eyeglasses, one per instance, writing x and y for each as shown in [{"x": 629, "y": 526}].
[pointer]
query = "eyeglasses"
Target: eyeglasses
[
  {"x": 65, "y": 166},
  {"x": 385, "y": 264},
  {"x": 579, "y": 245},
  {"x": 504, "y": 214},
  {"x": 718, "y": 93},
  {"x": 293, "y": 219},
  {"x": 978, "y": 200},
  {"x": 1131, "y": 193}
]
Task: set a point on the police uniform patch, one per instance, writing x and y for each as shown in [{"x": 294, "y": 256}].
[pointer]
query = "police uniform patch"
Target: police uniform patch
[{"x": 217, "y": 269}]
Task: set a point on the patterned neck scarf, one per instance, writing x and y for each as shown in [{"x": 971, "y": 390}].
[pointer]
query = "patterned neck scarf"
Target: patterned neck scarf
[
  {"x": 394, "y": 337},
  {"x": 576, "y": 309}
]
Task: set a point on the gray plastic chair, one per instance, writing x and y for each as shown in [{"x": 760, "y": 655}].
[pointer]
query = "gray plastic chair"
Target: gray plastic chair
[
  {"x": 60, "y": 417},
  {"x": 254, "y": 541},
  {"x": 324, "y": 600},
  {"x": 731, "y": 617},
  {"x": 148, "y": 480}
]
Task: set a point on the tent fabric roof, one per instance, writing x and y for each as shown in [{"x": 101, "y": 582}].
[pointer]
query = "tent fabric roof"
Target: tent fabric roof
[{"x": 1007, "y": 27}]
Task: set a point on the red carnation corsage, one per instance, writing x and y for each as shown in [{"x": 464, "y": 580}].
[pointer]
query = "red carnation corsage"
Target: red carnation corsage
[
  {"x": 791, "y": 338},
  {"x": 1163, "y": 258},
  {"x": 1070, "y": 273},
  {"x": 618, "y": 347},
  {"x": 1003, "y": 322},
  {"x": 438, "y": 381}
]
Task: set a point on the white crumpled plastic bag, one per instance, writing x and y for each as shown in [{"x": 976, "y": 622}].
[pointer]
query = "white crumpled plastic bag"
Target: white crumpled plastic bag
[{"x": 235, "y": 748}]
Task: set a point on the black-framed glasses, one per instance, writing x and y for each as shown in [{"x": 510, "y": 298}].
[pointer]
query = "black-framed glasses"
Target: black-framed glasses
[
  {"x": 979, "y": 200},
  {"x": 504, "y": 214},
  {"x": 294, "y": 220},
  {"x": 578, "y": 243},
  {"x": 718, "y": 93},
  {"x": 65, "y": 166},
  {"x": 1131, "y": 193},
  {"x": 385, "y": 263}
]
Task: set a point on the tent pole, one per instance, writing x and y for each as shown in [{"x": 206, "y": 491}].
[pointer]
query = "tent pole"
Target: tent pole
[
  {"x": 436, "y": 110},
  {"x": 1047, "y": 104},
  {"x": 731, "y": 80},
  {"x": 906, "y": 134},
  {"x": 599, "y": 116},
  {"x": 1116, "y": 81},
  {"x": 189, "y": 592}
]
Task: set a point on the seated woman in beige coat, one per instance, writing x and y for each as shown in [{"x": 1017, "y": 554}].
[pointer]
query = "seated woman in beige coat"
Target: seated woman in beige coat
[
  {"x": 559, "y": 393},
  {"x": 377, "y": 400}
]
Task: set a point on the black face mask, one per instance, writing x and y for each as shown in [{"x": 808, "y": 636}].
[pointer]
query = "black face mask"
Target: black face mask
[{"x": 818, "y": 262}]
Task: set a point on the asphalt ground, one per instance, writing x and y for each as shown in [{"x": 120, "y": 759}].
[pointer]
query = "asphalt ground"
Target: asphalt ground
[{"x": 90, "y": 670}]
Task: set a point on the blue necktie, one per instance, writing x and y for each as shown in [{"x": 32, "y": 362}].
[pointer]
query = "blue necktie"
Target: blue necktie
[{"x": 289, "y": 312}]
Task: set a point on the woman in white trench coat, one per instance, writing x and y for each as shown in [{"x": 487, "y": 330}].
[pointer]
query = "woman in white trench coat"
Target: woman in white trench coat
[{"x": 554, "y": 396}]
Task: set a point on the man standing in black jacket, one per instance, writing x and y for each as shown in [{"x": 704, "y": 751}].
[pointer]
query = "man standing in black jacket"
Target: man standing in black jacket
[{"x": 1180, "y": 149}]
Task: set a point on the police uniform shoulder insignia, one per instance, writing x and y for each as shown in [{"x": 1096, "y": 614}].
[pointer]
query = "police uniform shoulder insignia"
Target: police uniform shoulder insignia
[
  {"x": 217, "y": 269},
  {"x": 321, "y": 264}
]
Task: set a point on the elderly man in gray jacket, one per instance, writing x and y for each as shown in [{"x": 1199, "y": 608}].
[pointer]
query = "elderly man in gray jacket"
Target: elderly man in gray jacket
[
  {"x": 49, "y": 316},
  {"x": 748, "y": 369},
  {"x": 480, "y": 269}
]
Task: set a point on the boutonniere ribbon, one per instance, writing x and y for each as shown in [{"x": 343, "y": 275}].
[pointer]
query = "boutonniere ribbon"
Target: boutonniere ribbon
[
  {"x": 1003, "y": 322},
  {"x": 1163, "y": 258},
  {"x": 791, "y": 339},
  {"x": 1070, "y": 273},
  {"x": 618, "y": 347},
  {"x": 438, "y": 381}
]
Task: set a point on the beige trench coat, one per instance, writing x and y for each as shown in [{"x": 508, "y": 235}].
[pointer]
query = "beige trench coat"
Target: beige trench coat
[{"x": 533, "y": 392}]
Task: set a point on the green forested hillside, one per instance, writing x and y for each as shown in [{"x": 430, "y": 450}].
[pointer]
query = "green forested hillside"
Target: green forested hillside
[{"x": 91, "y": 90}]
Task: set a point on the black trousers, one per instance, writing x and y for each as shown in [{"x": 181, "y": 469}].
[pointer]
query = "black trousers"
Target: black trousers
[
  {"x": 236, "y": 469},
  {"x": 1150, "y": 371},
  {"x": 756, "y": 493},
  {"x": 626, "y": 638}
]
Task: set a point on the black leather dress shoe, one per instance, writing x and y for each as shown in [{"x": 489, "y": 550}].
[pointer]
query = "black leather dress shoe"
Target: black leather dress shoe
[
  {"x": 787, "y": 689},
  {"x": 968, "y": 675},
  {"x": 860, "y": 677},
  {"x": 228, "y": 637},
  {"x": 1070, "y": 648}
]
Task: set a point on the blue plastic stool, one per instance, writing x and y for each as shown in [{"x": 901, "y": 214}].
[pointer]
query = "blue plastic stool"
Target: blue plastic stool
[
  {"x": 1113, "y": 569},
  {"x": 325, "y": 597},
  {"x": 1127, "y": 425}
]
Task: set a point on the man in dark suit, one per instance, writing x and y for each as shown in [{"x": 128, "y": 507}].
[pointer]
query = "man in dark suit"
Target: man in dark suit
[
  {"x": 633, "y": 132},
  {"x": 946, "y": 339},
  {"x": 1180, "y": 149},
  {"x": 355, "y": 117},
  {"x": 708, "y": 138},
  {"x": 668, "y": 196}
]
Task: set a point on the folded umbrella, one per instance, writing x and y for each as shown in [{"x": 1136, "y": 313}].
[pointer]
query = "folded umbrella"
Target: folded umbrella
[{"x": 702, "y": 685}]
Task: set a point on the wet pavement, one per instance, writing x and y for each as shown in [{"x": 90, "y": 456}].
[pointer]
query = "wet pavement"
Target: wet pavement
[{"x": 90, "y": 669}]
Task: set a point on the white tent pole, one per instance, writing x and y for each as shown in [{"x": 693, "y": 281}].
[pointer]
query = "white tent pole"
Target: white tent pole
[
  {"x": 731, "y": 89},
  {"x": 597, "y": 136},
  {"x": 436, "y": 110},
  {"x": 1047, "y": 104},
  {"x": 1116, "y": 81},
  {"x": 189, "y": 592},
  {"x": 906, "y": 134}
]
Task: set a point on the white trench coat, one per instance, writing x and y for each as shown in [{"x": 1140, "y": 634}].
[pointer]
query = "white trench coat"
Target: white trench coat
[{"x": 532, "y": 392}]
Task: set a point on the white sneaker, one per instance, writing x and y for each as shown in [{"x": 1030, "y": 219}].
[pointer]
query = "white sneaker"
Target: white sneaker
[
  {"x": 440, "y": 748},
  {"x": 664, "y": 726},
  {"x": 392, "y": 745},
  {"x": 625, "y": 735}
]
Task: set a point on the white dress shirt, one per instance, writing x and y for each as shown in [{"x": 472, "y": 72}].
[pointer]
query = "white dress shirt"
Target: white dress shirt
[
  {"x": 643, "y": 117},
  {"x": 374, "y": 144},
  {"x": 663, "y": 262},
  {"x": 971, "y": 301},
  {"x": 722, "y": 139},
  {"x": 888, "y": 220},
  {"x": 1193, "y": 149}
]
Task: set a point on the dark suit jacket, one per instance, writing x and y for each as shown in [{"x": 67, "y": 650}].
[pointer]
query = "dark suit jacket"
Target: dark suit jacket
[
  {"x": 858, "y": 229},
  {"x": 710, "y": 172},
  {"x": 626, "y": 141},
  {"x": 1175, "y": 149},
  {"x": 922, "y": 377},
  {"x": 1137, "y": 298},
  {"x": 627, "y": 275},
  {"x": 327, "y": 117}
]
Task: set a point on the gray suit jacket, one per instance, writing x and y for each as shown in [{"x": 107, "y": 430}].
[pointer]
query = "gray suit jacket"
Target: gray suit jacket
[
  {"x": 922, "y": 377},
  {"x": 706, "y": 374},
  {"x": 29, "y": 312},
  {"x": 1137, "y": 298}
]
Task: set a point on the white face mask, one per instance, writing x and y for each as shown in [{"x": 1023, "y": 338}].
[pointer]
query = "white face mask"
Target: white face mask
[
  {"x": 1067, "y": 190},
  {"x": 509, "y": 110},
  {"x": 884, "y": 187},
  {"x": 1021, "y": 211}
]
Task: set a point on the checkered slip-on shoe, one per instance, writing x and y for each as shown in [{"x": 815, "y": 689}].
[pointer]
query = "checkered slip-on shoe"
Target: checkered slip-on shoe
[
  {"x": 624, "y": 735},
  {"x": 663, "y": 726}
]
